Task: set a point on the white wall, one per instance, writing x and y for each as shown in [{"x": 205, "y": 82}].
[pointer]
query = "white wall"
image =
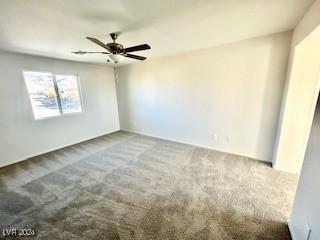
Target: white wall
[
  {"x": 233, "y": 91},
  {"x": 300, "y": 94},
  {"x": 310, "y": 21},
  {"x": 306, "y": 41},
  {"x": 306, "y": 207},
  {"x": 22, "y": 137},
  {"x": 301, "y": 98}
]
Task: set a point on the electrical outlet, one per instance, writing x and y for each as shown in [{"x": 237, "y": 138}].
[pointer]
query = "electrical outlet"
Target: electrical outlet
[
  {"x": 307, "y": 232},
  {"x": 228, "y": 139},
  {"x": 214, "y": 137}
]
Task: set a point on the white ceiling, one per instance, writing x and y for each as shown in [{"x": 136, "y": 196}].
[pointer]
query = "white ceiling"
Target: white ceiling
[{"x": 54, "y": 28}]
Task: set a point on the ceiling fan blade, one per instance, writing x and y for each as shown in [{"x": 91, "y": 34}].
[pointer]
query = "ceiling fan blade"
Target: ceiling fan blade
[
  {"x": 134, "y": 56},
  {"x": 82, "y": 52},
  {"x": 79, "y": 52},
  {"x": 96, "y": 41},
  {"x": 137, "y": 48}
]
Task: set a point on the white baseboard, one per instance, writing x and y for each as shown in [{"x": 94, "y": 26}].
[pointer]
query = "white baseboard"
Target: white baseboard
[
  {"x": 193, "y": 144},
  {"x": 57, "y": 148},
  {"x": 291, "y": 232}
]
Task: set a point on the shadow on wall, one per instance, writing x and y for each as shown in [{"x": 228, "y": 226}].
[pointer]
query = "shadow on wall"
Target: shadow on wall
[
  {"x": 124, "y": 95},
  {"x": 275, "y": 68},
  {"x": 306, "y": 205}
]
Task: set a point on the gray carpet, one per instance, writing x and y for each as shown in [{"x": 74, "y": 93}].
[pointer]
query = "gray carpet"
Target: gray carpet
[{"x": 127, "y": 186}]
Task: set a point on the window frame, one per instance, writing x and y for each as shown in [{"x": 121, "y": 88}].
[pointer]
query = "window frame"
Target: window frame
[
  {"x": 79, "y": 90},
  {"x": 57, "y": 94}
]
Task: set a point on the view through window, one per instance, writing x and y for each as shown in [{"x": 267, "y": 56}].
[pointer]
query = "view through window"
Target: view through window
[
  {"x": 69, "y": 93},
  {"x": 53, "y": 95}
]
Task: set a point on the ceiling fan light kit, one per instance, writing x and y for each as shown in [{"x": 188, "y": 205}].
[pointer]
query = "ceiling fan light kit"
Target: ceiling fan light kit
[{"x": 115, "y": 49}]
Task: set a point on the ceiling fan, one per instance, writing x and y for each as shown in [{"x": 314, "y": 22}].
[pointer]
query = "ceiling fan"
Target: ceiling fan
[{"x": 116, "y": 49}]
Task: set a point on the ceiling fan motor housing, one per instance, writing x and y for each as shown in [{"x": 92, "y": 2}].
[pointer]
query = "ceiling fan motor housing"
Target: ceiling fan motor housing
[{"x": 115, "y": 48}]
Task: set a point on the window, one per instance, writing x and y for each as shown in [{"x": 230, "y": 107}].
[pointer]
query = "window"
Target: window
[
  {"x": 53, "y": 95},
  {"x": 42, "y": 94},
  {"x": 69, "y": 93}
]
